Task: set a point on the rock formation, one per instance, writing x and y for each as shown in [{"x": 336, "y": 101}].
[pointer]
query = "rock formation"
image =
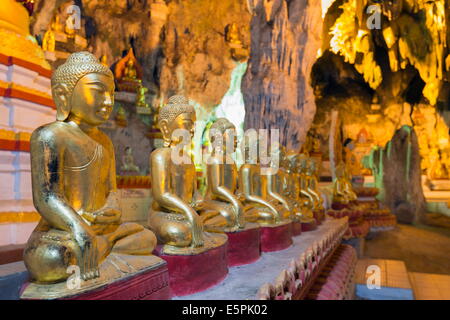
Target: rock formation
[{"x": 285, "y": 39}]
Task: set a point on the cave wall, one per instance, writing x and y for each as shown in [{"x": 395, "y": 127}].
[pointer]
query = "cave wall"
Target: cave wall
[{"x": 285, "y": 39}]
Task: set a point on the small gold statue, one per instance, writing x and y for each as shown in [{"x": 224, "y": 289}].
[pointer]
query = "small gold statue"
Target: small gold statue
[
  {"x": 140, "y": 97},
  {"x": 232, "y": 35},
  {"x": 74, "y": 180},
  {"x": 121, "y": 117},
  {"x": 218, "y": 193},
  {"x": 259, "y": 206},
  {"x": 174, "y": 213},
  {"x": 130, "y": 72},
  {"x": 128, "y": 161},
  {"x": 48, "y": 42},
  {"x": 342, "y": 189}
]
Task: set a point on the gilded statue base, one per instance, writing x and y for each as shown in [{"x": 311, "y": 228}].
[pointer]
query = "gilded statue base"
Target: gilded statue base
[
  {"x": 244, "y": 245},
  {"x": 122, "y": 277},
  {"x": 276, "y": 237},
  {"x": 199, "y": 268}
]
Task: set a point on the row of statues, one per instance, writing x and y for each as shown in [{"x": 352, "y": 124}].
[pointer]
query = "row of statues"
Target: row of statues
[{"x": 74, "y": 183}]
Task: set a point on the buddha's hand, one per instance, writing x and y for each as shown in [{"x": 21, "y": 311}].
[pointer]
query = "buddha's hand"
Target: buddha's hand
[
  {"x": 103, "y": 216},
  {"x": 197, "y": 229},
  {"x": 87, "y": 253}
]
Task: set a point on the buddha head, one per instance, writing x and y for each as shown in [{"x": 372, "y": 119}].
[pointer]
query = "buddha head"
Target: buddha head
[
  {"x": 177, "y": 115},
  {"x": 221, "y": 133},
  {"x": 83, "y": 90}
]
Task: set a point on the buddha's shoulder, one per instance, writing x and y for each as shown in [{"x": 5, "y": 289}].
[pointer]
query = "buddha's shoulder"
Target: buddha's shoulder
[
  {"x": 52, "y": 132},
  {"x": 161, "y": 153}
]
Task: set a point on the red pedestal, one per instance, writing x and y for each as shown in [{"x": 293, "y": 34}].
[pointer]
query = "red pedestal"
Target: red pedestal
[
  {"x": 296, "y": 228},
  {"x": 276, "y": 238},
  {"x": 194, "y": 273},
  {"x": 319, "y": 216},
  {"x": 309, "y": 226},
  {"x": 244, "y": 246}
]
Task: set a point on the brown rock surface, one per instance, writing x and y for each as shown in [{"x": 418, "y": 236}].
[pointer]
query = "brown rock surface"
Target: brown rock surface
[{"x": 286, "y": 36}]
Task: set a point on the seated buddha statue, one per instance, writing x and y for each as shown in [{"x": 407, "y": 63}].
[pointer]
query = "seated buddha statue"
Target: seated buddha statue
[
  {"x": 277, "y": 182},
  {"x": 130, "y": 72},
  {"x": 294, "y": 187},
  {"x": 313, "y": 184},
  {"x": 74, "y": 180},
  {"x": 341, "y": 190},
  {"x": 219, "y": 192},
  {"x": 178, "y": 215},
  {"x": 307, "y": 201},
  {"x": 258, "y": 205},
  {"x": 128, "y": 161}
]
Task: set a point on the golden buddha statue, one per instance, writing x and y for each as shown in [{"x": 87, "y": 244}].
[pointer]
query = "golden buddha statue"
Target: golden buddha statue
[
  {"x": 130, "y": 72},
  {"x": 74, "y": 180},
  {"x": 49, "y": 42},
  {"x": 174, "y": 214},
  {"x": 313, "y": 181},
  {"x": 306, "y": 199},
  {"x": 232, "y": 35},
  {"x": 258, "y": 205},
  {"x": 218, "y": 193},
  {"x": 277, "y": 182},
  {"x": 342, "y": 189},
  {"x": 140, "y": 97}
]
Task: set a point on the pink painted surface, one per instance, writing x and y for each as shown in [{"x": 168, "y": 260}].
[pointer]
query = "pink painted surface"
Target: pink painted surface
[
  {"x": 296, "y": 228},
  {"x": 244, "y": 247},
  {"x": 194, "y": 273},
  {"x": 276, "y": 238},
  {"x": 309, "y": 226}
]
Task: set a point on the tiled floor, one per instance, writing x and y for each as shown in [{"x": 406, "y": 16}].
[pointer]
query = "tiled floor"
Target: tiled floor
[
  {"x": 429, "y": 286},
  {"x": 393, "y": 273}
]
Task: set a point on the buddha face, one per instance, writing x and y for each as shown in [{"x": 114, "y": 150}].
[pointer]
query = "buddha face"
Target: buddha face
[
  {"x": 184, "y": 122},
  {"x": 93, "y": 99}
]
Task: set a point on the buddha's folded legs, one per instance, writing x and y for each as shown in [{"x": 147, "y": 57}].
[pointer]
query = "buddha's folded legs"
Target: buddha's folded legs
[
  {"x": 132, "y": 238},
  {"x": 260, "y": 215},
  {"x": 170, "y": 228},
  {"x": 48, "y": 254},
  {"x": 218, "y": 216}
]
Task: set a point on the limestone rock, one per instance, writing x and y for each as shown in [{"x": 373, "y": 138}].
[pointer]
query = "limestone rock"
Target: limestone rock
[{"x": 286, "y": 36}]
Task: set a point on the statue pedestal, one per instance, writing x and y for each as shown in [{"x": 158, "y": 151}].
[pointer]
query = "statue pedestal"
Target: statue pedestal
[
  {"x": 309, "y": 226},
  {"x": 319, "y": 216},
  {"x": 195, "y": 272},
  {"x": 296, "y": 228},
  {"x": 244, "y": 246},
  {"x": 277, "y": 237},
  {"x": 122, "y": 277}
]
